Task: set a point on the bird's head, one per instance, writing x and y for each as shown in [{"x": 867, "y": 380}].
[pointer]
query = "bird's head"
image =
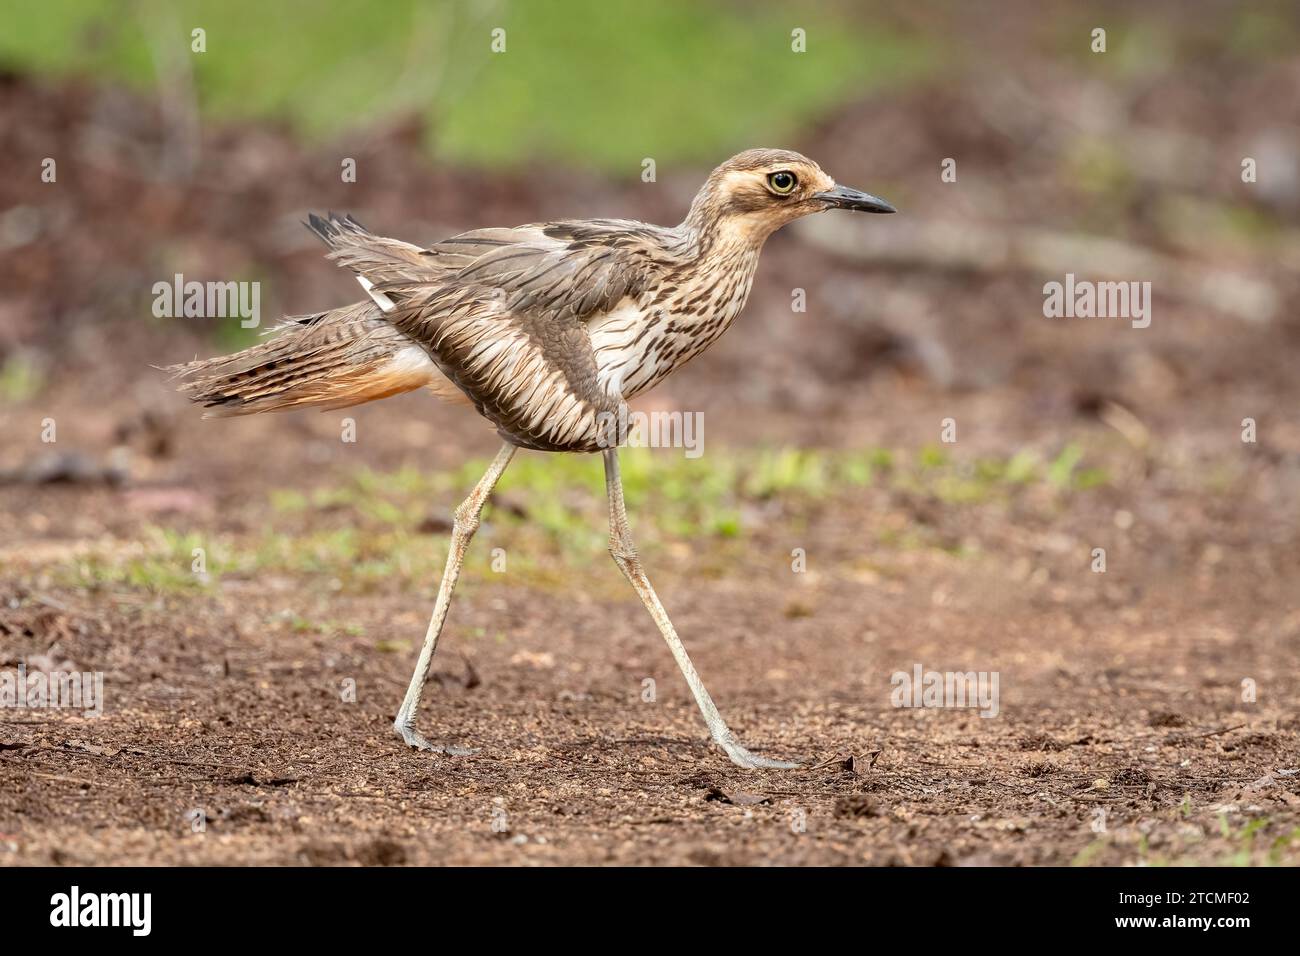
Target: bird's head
[{"x": 758, "y": 191}]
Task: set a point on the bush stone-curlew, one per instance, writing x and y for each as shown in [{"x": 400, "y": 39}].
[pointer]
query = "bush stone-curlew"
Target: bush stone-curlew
[{"x": 548, "y": 330}]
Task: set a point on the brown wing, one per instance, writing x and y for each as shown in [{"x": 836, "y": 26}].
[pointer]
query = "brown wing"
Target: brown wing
[
  {"x": 509, "y": 327},
  {"x": 502, "y": 312}
]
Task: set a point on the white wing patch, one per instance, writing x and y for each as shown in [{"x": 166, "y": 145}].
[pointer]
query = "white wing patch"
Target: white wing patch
[{"x": 381, "y": 300}]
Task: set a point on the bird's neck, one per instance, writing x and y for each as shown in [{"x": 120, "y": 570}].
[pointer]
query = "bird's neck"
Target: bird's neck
[{"x": 713, "y": 239}]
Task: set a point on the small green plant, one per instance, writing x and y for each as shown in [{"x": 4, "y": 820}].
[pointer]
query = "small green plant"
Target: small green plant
[{"x": 21, "y": 378}]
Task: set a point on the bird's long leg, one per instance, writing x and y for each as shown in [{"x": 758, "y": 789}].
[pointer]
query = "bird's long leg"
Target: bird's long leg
[
  {"x": 625, "y": 556},
  {"x": 466, "y": 523}
]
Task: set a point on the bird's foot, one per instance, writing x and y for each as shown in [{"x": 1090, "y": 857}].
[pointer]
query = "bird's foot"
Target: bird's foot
[
  {"x": 417, "y": 741},
  {"x": 751, "y": 761}
]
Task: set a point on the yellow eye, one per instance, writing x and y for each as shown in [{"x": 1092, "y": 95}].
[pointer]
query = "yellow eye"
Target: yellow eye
[{"x": 782, "y": 182}]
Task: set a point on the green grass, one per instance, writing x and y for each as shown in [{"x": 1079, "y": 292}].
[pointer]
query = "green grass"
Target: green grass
[
  {"x": 549, "y": 513},
  {"x": 1247, "y": 844},
  {"x": 164, "y": 564},
  {"x": 591, "y": 82},
  {"x": 935, "y": 475},
  {"x": 302, "y": 625}
]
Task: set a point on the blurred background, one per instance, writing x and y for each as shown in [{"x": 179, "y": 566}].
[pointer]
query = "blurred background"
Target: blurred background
[
  {"x": 1118, "y": 165},
  {"x": 824, "y": 426}
]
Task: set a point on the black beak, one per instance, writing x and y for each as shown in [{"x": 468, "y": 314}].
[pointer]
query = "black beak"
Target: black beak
[{"x": 842, "y": 197}]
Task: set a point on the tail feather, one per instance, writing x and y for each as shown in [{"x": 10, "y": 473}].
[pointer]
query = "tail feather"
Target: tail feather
[
  {"x": 329, "y": 360},
  {"x": 377, "y": 261}
]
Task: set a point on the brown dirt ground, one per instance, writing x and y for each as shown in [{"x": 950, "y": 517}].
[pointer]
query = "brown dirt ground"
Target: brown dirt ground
[
  {"x": 1122, "y": 736},
  {"x": 1120, "y": 692}
]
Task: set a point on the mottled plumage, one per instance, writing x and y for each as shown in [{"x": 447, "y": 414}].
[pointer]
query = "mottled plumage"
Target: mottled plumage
[
  {"x": 542, "y": 327},
  {"x": 547, "y": 329}
]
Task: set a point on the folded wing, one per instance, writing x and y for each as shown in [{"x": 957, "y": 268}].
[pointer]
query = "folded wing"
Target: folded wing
[{"x": 503, "y": 312}]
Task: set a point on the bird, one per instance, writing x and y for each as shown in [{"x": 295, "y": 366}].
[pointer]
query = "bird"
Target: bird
[{"x": 548, "y": 330}]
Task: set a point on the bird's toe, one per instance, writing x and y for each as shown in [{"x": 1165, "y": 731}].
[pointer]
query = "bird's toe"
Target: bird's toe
[
  {"x": 417, "y": 741},
  {"x": 752, "y": 761}
]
